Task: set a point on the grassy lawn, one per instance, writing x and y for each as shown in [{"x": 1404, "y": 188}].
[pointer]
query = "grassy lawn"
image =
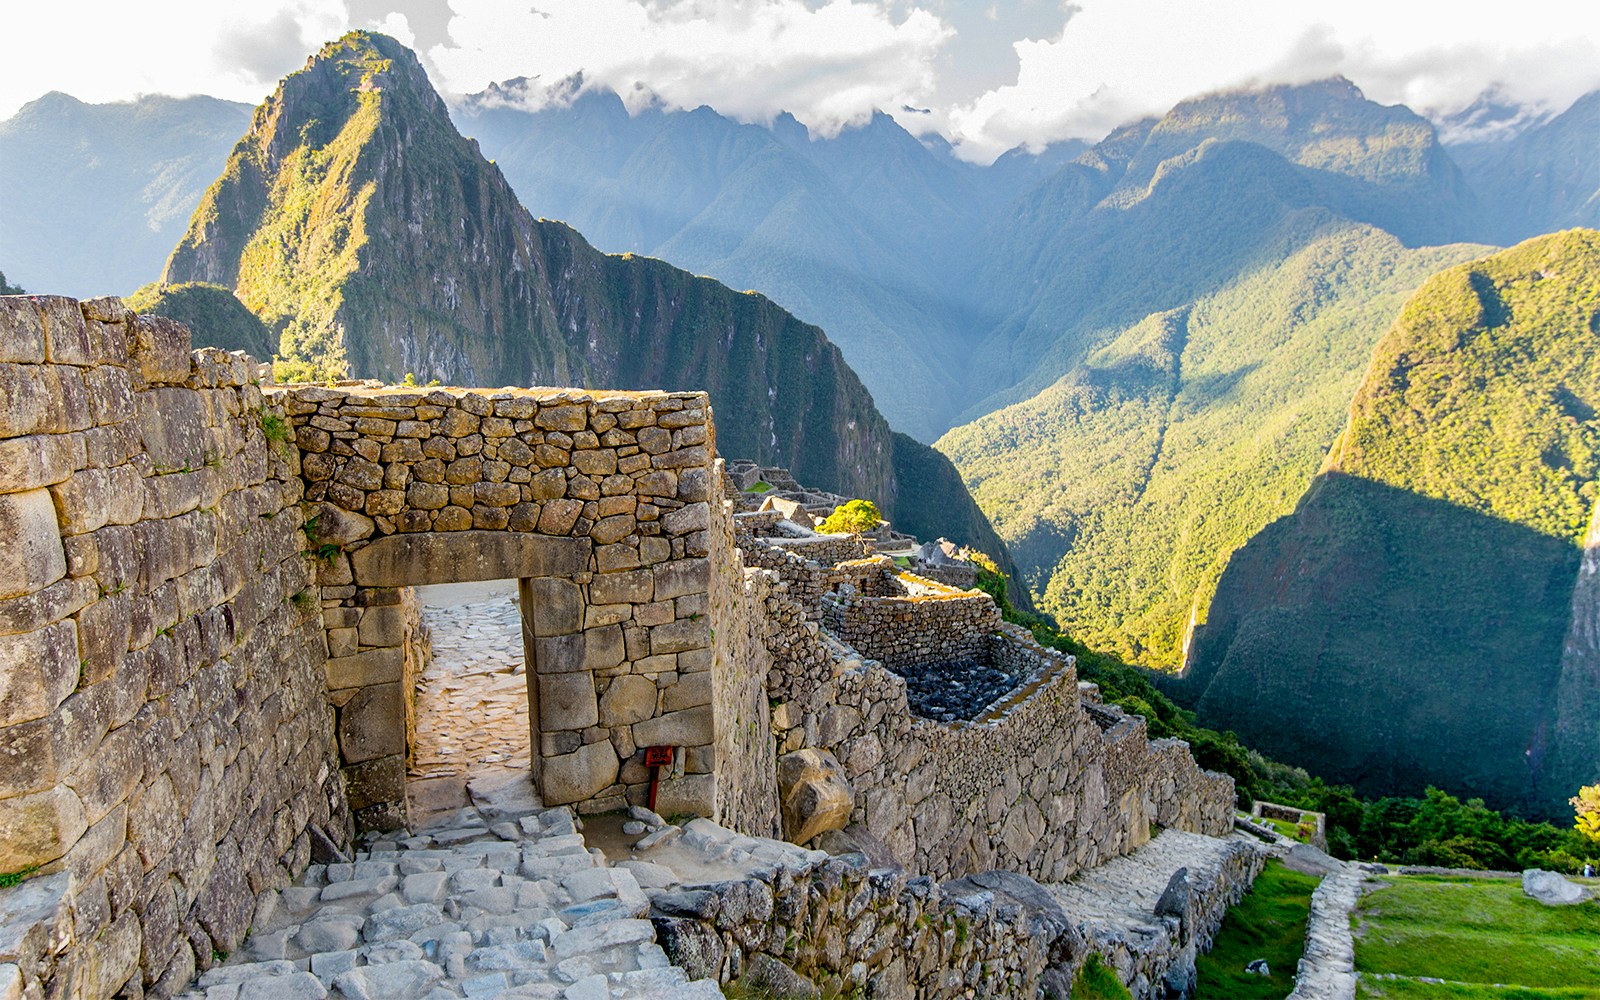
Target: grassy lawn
[
  {"x": 1482, "y": 936},
  {"x": 1269, "y": 923}
]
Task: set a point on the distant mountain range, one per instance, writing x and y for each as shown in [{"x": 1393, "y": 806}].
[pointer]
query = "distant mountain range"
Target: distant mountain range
[
  {"x": 1138, "y": 354},
  {"x": 95, "y": 195}
]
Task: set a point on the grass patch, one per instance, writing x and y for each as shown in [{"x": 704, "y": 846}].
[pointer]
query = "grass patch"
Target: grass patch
[
  {"x": 1476, "y": 932},
  {"x": 1410, "y": 989},
  {"x": 759, "y": 487},
  {"x": 1098, "y": 981},
  {"x": 1269, "y": 923},
  {"x": 9, "y": 879}
]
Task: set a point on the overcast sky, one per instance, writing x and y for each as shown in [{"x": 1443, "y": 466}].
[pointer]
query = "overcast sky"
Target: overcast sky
[{"x": 988, "y": 74}]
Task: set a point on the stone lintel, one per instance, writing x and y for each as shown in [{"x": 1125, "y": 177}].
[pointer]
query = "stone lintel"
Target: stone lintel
[{"x": 466, "y": 556}]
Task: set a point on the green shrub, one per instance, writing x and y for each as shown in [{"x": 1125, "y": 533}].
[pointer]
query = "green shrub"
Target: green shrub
[{"x": 852, "y": 517}]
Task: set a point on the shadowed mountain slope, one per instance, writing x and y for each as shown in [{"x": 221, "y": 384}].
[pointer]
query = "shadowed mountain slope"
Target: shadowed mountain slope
[
  {"x": 1123, "y": 487},
  {"x": 1406, "y": 624}
]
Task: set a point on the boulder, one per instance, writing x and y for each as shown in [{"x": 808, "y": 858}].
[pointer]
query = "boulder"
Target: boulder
[
  {"x": 1174, "y": 901},
  {"x": 1047, "y": 921},
  {"x": 814, "y": 793},
  {"x": 1552, "y": 889}
]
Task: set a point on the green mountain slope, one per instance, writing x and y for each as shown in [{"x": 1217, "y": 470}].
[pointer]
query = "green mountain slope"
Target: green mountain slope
[
  {"x": 1124, "y": 486},
  {"x": 92, "y": 196},
  {"x": 216, "y": 317},
  {"x": 1405, "y": 625},
  {"x": 1164, "y": 211},
  {"x": 365, "y": 231}
]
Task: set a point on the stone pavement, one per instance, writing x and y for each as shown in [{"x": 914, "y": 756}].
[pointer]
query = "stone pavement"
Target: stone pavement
[
  {"x": 520, "y": 909},
  {"x": 472, "y": 697},
  {"x": 1114, "y": 905}
]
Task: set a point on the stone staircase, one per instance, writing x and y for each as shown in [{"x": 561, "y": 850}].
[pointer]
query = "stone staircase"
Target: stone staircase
[{"x": 523, "y": 911}]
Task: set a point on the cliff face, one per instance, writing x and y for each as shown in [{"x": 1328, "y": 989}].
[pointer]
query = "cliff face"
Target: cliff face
[{"x": 358, "y": 224}]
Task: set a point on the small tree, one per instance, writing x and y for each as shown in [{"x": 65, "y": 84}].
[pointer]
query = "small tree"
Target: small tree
[
  {"x": 851, "y": 517},
  {"x": 1587, "y": 806}
]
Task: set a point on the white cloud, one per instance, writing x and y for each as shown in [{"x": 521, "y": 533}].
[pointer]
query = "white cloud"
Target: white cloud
[
  {"x": 99, "y": 51},
  {"x": 1072, "y": 68},
  {"x": 828, "y": 63},
  {"x": 1116, "y": 59}
]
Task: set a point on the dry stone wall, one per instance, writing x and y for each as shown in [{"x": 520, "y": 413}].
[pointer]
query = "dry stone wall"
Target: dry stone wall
[
  {"x": 1036, "y": 786},
  {"x": 599, "y": 504},
  {"x": 166, "y": 749},
  {"x": 746, "y": 778},
  {"x": 902, "y": 619},
  {"x": 854, "y": 932}
]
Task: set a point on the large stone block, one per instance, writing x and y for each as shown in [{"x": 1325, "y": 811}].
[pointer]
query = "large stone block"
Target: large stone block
[
  {"x": 365, "y": 669},
  {"x": 680, "y": 636},
  {"x": 376, "y": 781},
  {"x": 66, "y": 339},
  {"x": 814, "y": 794},
  {"x": 31, "y": 557},
  {"x": 161, "y": 349},
  {"x": 567, "y": 701},
  {"x": 36, "y": 829},
  {"x": 579, "y": 775},
  {"x": 172, "y": 426},
  {"x": 682, "y": 577},
  {"x": 560, "y": 654},
  {"x": 21, "y": 330},
  {"x": 630, "y": 587},
  {"x": 38, "y": 670},
  {"x": 628, "y": 699},
  {"x": 107, "y": 777},
  {"x": 690, "y": 795},
  {"x": 462, "y": 556},
  {"x": 382, "y": 626},
  {"x": 373, "y": 724},
  {"x": 690, "y": 728},
  {"x": 554, "y": 606},
  {"x": 604, "y": 648},
  {"x": 27, "y": 463}
]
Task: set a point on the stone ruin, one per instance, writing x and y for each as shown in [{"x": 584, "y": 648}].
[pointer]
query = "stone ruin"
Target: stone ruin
[{"x": 210, "y": 645}]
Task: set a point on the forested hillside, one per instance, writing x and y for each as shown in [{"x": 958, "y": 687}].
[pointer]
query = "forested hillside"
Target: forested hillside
[
  {"x": 1124, "y": 486},
  {"x": 1404, "y": 626}
]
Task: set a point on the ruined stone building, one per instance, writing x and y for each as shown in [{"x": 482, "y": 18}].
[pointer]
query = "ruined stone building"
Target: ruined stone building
[{"x": 210, "y": 646}]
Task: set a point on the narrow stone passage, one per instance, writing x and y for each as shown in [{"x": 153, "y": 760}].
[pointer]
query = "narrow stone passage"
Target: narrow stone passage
[
  {"x": 472, "y": 697},
  {"x": 1115, "y": 904},
  {"x": 516, "y": 908}
]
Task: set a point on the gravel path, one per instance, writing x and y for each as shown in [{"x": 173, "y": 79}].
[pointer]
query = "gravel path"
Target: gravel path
[{"x": 472, "y": 698}]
